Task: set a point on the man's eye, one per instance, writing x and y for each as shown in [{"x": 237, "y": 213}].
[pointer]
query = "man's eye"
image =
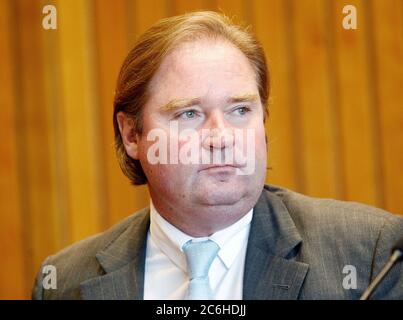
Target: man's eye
[
  {"x": 188, "y": 114},
  {"x": 242, "y": 110}
]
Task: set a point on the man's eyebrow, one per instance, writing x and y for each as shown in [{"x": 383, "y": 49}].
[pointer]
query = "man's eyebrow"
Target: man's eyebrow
[
  {"x": 250, "y": 97},
  {"x": 184, "y": 103},
  {"x": 180, "y": 103}
]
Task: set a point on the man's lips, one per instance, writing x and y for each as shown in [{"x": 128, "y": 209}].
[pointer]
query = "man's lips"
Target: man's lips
[{"x": 218, "y": 166}]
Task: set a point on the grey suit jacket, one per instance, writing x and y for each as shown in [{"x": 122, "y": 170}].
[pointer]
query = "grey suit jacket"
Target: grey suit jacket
[{"x": 298, "y": 248}]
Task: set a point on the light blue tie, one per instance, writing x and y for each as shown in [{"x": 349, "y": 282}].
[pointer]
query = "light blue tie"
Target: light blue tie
[{"x": 199, "y": 257}]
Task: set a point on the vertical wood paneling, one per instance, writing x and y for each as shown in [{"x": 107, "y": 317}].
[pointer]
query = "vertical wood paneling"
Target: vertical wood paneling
[
  {"x": 317, "y": 136},
  {"x": 280, "y": 126},
  {"x": 146, "y": 13},
  {"x": 335, "y": 129},
  {"x": 183, "y": 6},
  {"x": 354, "y": 87},
  {"x": 12, "y": 272},
  {"x": 52, "y": 104},
  {"x": 33, "y": 133},
  {"x": 81, "y": 118},
  {"x": 111, "y": 40},
  {"x": 387, "y": 25}
]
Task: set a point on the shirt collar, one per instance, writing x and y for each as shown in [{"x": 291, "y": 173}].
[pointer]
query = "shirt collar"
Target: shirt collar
[
  {"x": 231, "y": 239},
  {"x": 170, "y": 239}
]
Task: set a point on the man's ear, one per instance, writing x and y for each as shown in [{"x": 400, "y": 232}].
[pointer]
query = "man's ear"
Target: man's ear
[{"x": 128, "y": 134}]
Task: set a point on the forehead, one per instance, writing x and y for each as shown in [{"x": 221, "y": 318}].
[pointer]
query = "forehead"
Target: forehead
[{"x": 204, "y": 68}]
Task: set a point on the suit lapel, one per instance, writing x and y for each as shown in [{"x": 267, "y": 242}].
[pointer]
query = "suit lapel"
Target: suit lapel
[
  {"x": 123, "y": 262},
  {"x": 271, "y": 271}
]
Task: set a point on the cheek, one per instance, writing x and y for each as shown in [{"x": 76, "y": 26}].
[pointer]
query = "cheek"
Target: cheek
[
  {"x": 255, "y": 135},
  {"x": 261, "y": 144},
  {"x": 166, "y": 175},
  {"x": 261, "y": 137}
]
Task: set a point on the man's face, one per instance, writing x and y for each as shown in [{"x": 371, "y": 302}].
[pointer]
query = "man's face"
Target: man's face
[{"x": 208, "y": 87}]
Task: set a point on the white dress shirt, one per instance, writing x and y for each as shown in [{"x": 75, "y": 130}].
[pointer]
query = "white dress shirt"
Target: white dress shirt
[{"x": 166, "y": 271}]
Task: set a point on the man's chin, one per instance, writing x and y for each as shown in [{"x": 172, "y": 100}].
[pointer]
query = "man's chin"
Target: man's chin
[{"x": 221, "y": 196}]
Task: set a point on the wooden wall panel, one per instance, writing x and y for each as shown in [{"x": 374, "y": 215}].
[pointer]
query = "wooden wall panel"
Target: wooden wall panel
[
  {"x": 81, "y": 118},
  {"x": 353, "y": 97},
  {"x": 335, "y": 129},
  {"x": 318, "y": 143},
  {"x": 52, "y": 104},
  {"x": 387, "y": 25},
  {"x": 281, "y": 130},
  {"x": 111, "y": 41},
  {"x": 183, "y": 6},
  {"x": 145, "y": 13},
  {"x": 34, "y": 138},
  {"x": 13, "y": 278}
]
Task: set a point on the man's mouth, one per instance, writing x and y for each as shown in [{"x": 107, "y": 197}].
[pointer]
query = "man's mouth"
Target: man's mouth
[{"x": 219, "y": 167}]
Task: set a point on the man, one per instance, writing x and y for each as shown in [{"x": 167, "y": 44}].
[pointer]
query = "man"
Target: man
[{"x": 214, "y": 230}]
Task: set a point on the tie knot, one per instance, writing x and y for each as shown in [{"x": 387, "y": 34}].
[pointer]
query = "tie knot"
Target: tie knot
[{"x": 199, "y": 257}]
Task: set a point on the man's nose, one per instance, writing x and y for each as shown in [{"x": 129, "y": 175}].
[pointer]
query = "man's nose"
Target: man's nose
[{"x": 217, "y": 134}]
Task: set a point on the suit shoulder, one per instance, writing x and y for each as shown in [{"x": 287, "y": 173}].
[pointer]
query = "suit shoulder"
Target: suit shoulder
[
  {"x": 336, "y": 234},
  {"x": 91, "y": 245},
  {"x": 334, "y": 217},
  {"x": 78, "y": 261}
]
